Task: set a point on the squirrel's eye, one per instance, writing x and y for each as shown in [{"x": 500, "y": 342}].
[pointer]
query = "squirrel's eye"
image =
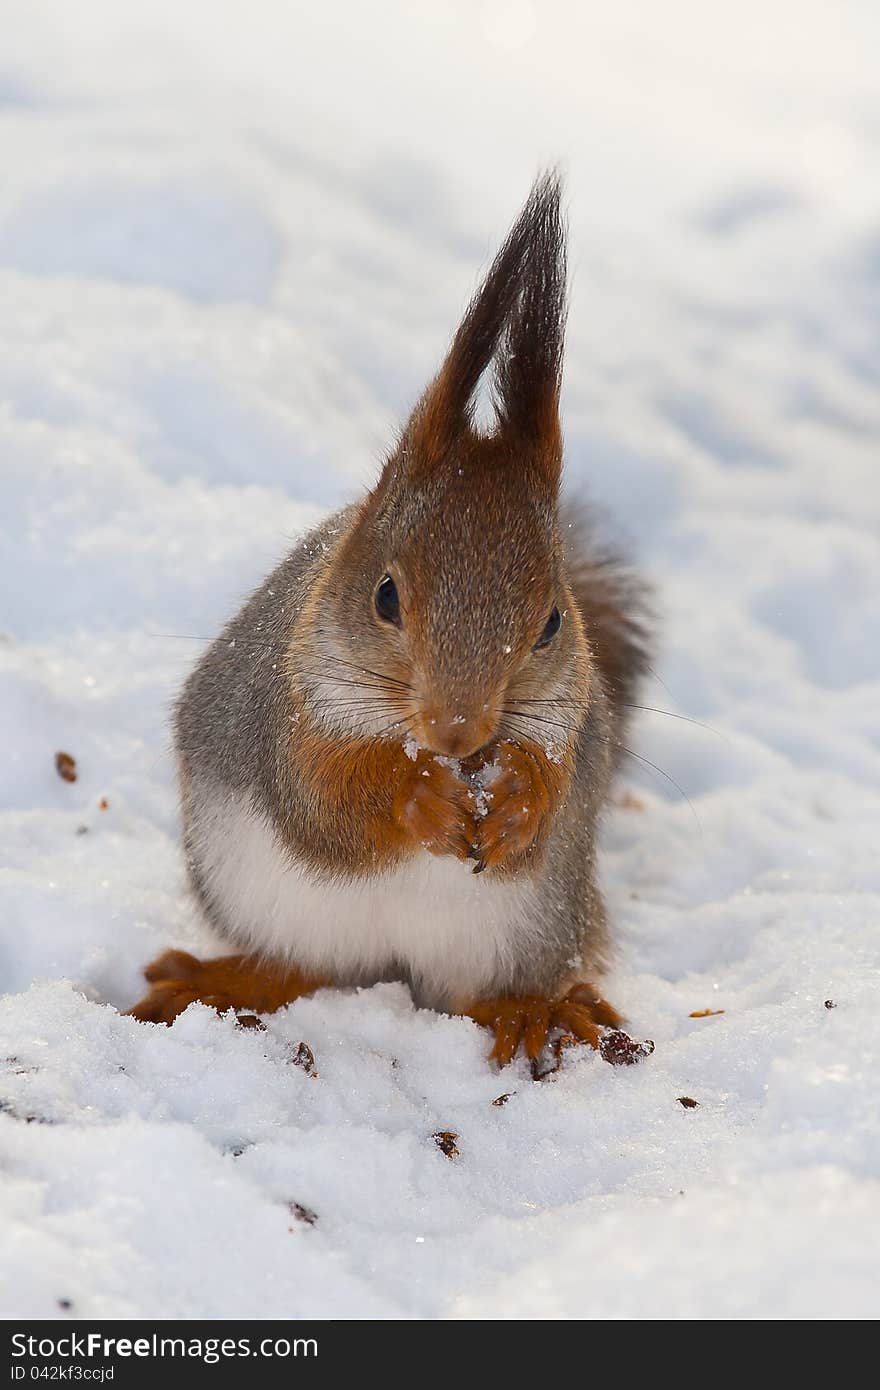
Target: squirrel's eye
[
  {"x": 387, "y": 601},
  {"x": 552, "y": 626}
]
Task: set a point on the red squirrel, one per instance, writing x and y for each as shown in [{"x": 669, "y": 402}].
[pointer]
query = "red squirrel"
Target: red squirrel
[{"x": 393, "y": 759}]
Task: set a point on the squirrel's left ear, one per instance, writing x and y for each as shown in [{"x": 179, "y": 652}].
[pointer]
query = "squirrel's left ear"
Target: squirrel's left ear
[{"x": 515, "y": 326}]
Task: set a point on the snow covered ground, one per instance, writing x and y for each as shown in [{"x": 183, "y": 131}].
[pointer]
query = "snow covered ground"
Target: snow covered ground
[{"x": 234, "y": 239}]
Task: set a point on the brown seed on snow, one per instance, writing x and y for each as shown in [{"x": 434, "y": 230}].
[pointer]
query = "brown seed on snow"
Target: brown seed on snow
[
  {"x": 65, "y": 766},
  {"x": 250, "y": 1021},
  {"x": 304, "y": 1057},
  {"x": 301, "y": 1213},
  {"x": 445, "y": 1141},
  {"x": 621, "y": 1050}
]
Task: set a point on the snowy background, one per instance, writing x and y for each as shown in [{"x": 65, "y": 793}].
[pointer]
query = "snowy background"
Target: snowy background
[{"x": 234, "y": 240}]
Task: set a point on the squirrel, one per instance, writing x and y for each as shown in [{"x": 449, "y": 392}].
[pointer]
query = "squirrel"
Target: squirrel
[{"x": 393, "y": 759}]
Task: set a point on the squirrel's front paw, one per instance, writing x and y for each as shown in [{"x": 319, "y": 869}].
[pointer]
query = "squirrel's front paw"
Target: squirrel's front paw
[
  {"x": 516, "y": 799},
  {"x": 434, "y": 807}
]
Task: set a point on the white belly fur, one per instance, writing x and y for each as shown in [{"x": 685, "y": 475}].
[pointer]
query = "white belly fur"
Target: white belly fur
[{"x": 453, "y": 933}]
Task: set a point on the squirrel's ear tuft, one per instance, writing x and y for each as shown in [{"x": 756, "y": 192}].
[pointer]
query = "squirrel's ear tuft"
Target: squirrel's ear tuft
[
  {"x": 529, "y": 365},
  {"x": 515, "y": 324}
]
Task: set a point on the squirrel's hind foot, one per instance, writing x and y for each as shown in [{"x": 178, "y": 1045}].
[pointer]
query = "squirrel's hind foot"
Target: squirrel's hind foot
[
  {"x": 530, "y": 1019},
  {"x": 178, "y": 979}
]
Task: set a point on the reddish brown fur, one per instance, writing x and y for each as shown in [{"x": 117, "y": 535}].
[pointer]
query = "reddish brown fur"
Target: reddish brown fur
[
  {"x": 435, "y": 809},
  {"x": 530, "y": 1019},
  {"x": 524, "y": 799},
  {"x": 393, "y": 805},
  {"x": 178, "y": 979}
]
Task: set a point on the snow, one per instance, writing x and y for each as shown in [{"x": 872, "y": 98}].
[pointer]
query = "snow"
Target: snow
[{"x": 233, "y": 242}]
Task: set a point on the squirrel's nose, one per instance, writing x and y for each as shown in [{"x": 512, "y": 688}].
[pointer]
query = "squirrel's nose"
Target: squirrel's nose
[{"x": 456, "y": 735}]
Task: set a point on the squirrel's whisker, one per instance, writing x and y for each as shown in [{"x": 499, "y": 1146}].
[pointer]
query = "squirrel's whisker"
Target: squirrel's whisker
[
  {"x": 543, "y": 719},
  {"x": 282, "y": 648},
  {"x": 365, "y": 670},
  {"x": 614, "y": 743},
  {"x": 624, "y": 704},
  {"x": 358, "y": 685}
]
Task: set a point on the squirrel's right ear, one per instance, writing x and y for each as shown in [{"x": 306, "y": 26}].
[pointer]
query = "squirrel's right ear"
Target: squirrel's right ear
[{"x": 516, "y": 324}]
